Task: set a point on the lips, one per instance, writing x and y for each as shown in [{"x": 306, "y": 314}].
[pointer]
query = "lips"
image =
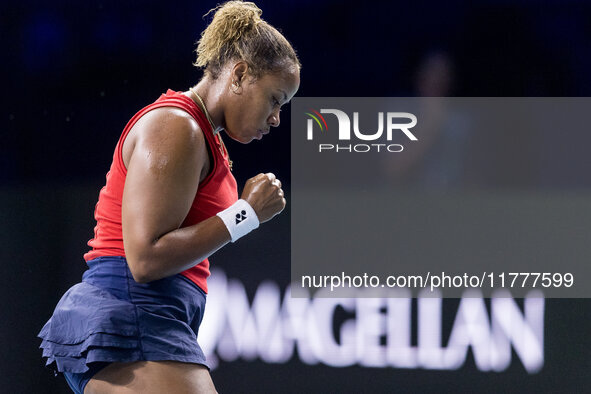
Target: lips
[{"x": 261, "y": 133}]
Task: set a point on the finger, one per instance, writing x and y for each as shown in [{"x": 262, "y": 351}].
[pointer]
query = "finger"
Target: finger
[
  {"x": 276, "y": 182},
  {"x": 259, "y": 176},
  {"x": 271, "y": 176},
  {"x": 280, "y": 193}
]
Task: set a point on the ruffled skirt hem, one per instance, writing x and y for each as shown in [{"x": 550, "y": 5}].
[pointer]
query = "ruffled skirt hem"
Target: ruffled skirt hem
[{"x": 92, "y": 325}]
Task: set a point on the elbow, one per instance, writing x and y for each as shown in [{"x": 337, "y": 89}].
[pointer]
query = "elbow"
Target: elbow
[
  {"x": 139, "y": 278},
  {"x": 141, "y": 265},
  {"x": 140, "y": 272}
]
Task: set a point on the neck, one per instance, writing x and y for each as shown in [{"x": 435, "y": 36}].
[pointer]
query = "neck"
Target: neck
[{"x": 211, "y": 93}]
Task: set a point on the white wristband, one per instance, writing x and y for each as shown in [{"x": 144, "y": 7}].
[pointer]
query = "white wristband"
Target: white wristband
[{"x": 240, "y": 219}]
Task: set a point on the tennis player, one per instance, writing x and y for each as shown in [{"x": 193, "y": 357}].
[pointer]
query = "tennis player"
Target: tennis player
[{"x": 170, "y": 201}]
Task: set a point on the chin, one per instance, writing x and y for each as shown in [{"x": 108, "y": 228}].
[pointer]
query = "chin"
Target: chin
[
  {"x": 241, "y": 139},
  {"x": 237, "y": 138}
]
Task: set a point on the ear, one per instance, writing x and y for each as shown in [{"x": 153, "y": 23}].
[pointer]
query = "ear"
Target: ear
[{"x": 239, "y": 72}]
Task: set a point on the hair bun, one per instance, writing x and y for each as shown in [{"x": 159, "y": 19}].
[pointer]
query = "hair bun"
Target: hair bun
[
  {"x": 236, "y": 18},
  {"x": 237, "y": 31},
  {"x": 231, "y": 22}
]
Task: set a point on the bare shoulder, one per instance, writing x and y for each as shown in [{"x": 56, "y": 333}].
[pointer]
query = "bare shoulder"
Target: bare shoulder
[{"x": 166, "y": 131}]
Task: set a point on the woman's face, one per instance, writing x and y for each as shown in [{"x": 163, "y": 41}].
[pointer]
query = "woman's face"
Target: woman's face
[{"x": 254, "y": 107}]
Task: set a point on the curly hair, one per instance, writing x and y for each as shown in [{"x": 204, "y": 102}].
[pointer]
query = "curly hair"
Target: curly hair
[{"x": 237, "y": 32}]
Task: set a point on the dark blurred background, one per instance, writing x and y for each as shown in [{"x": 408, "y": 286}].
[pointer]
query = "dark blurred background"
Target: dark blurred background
[{"x": 75, "y": 72}]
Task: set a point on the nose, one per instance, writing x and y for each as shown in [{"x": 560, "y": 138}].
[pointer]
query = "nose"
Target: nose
[{"x": 274, "y": 119}]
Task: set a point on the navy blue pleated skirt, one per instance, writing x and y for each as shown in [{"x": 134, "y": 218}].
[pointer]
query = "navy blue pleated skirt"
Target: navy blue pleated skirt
[{"x": 109, "y": 317}]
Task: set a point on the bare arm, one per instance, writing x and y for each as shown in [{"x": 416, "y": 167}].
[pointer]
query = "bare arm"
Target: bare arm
[
  {"x": 164, "y": 161},
  {"x": 163, "y": 171}
]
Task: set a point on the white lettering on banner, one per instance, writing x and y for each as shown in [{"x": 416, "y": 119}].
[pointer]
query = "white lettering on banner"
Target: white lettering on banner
[
  {"x": 400, "y": 352},
  {"x": 271, "y": 328},
  {"x": 327, "y": 349},
  {"x": 430, "y": 353},
  {"x": 371, "y": 326}
]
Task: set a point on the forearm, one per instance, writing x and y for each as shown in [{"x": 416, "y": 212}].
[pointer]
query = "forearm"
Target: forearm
[{"x": 177, "y": 250}]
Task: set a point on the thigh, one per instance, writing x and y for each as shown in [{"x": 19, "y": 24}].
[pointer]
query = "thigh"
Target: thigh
[{"x": 152, "y": 377}]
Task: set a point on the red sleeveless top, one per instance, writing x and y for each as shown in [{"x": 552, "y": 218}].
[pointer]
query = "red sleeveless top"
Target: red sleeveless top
[{"x": 215, "y": 193}]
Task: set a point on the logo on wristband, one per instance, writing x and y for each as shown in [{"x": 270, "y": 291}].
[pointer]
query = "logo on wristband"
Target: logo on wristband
[{"x": 240, "y": 216}]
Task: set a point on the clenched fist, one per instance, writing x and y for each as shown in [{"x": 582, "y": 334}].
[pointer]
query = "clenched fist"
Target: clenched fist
[{"x": 264, "y": 194}]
